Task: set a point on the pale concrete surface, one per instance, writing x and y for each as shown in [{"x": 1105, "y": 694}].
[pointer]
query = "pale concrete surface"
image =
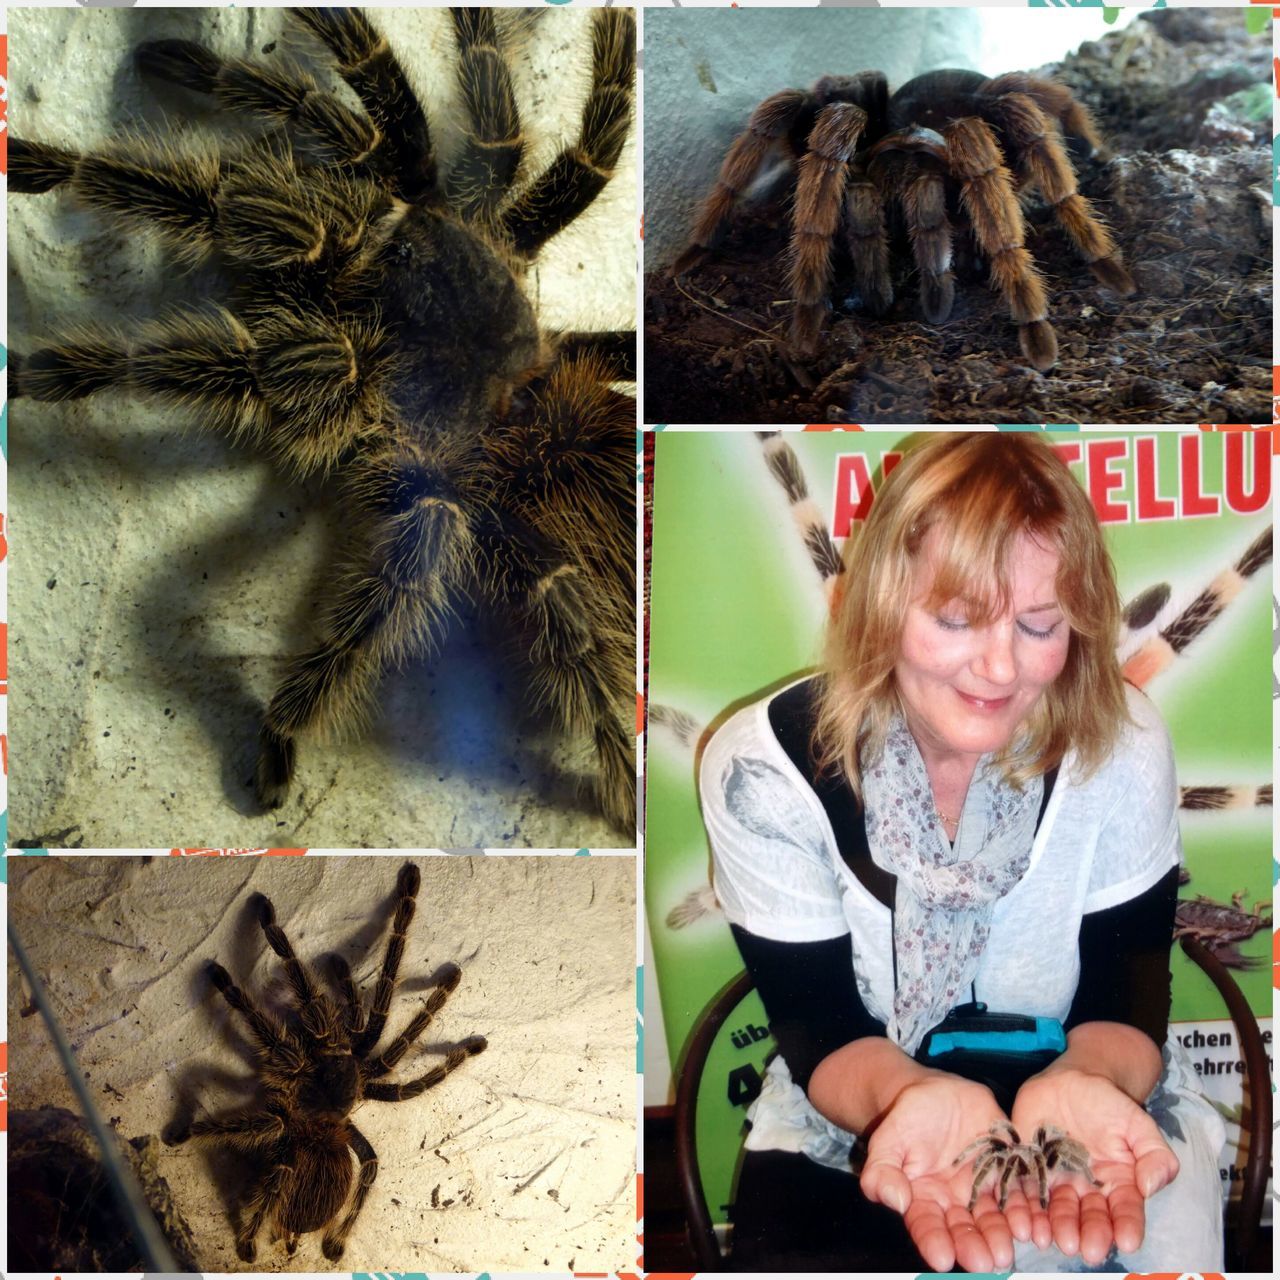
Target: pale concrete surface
[
  {"x": 160, "y": 576},
  {"x": 522, "y": 1160},
  {"x": 707, "y": 69}
]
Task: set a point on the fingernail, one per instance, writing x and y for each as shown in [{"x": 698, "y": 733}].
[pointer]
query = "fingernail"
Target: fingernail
[{"x": 898, "y": 1199}]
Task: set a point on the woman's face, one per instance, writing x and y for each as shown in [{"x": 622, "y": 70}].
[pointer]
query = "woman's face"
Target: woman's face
[{"x": 967, "y": 688}]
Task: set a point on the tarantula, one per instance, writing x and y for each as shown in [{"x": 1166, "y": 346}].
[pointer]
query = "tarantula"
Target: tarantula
[
  {"x": 1003, "y": 1158},
  {"x": 378, "y": 329},
  {"x": 941, "y": 147},
  {"x": 315, "y": 1070}
]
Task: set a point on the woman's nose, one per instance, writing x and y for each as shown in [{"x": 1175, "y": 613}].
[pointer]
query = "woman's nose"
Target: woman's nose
[{"x": 994, "y": 662}]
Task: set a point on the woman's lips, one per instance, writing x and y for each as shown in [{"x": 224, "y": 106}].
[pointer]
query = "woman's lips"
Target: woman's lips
[{"x": 984, "y": 704}]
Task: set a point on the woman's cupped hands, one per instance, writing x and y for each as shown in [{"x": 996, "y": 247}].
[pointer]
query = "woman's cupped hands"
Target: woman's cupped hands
[{"x": 924, "y": 1154}]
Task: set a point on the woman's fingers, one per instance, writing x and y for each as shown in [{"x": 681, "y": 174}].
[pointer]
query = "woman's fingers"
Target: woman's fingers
[
  {"x": 1128, "y": 1217},
  {"x": 930, "y": 1234},
  {"x": 1064, "y": 1219},
  {"x": 1017, "y": 1212},
  {"x": 1096, "y": 1234},
  {"x": 972, "y": 1251},
  {"x": 884, "y": 1183},
  {"x": 1156, "y": 1166},
  {"x": 996, "y": 1231}
]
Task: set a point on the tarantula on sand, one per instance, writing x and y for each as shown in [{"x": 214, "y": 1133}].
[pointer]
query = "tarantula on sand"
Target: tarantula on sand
[
  {"x": 315, "y": 1069},
  {"x": 1003, "y": 1156},
  {"x": 943, "y": 148},
  {"x": 378, "y": 329}
]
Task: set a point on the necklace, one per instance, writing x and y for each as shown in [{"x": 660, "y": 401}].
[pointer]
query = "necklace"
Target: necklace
[{"x": 951, "y": 822}]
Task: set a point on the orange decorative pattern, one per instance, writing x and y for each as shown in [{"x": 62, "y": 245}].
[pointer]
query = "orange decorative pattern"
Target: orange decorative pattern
[{"x": 228, "y": 853}]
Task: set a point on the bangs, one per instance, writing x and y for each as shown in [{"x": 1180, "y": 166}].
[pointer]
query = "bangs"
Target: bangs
[{"x": 974, "y": 535}]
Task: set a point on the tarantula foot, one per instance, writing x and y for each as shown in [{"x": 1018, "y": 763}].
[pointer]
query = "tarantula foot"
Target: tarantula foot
[
  {"x": 693, "y": 256},
  {"x": 332, "y": 1249},
  {"x": 936, "y": 298},
  {"x": 1115, "y": 275},
  {"x": 263, "y": 909},
  {"x": 180, "y": 62},
  {"x": 175, "y": 1134},
  {"x": 219, "y": 976},
  {"x": 474, "y": 1045},
  {"x": 275, "y": 768},
  {"x": 1039, "y": 344},
  {"x": 15, "y": 374},
  {"x": 246, "y": 1250},
  {"x": 450, "y": 976},
  {"x": 409, "y": 880}
]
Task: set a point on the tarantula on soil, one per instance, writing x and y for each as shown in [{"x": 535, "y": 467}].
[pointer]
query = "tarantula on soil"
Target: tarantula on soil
[
  {"x": 379, "y": 329},
  {"x": 943, "y": 148},
  {"x": 1003, "y": 1156},
  {"x": 314, "y": 1071}
]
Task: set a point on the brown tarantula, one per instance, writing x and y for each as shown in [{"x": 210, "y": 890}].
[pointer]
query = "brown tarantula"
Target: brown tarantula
[
  {"x": 1003, "y": 1156},
  {"x": 378, "y": 328},
  {"x": 315, "y": 1069},
  {"x": 942, "y": 147}
]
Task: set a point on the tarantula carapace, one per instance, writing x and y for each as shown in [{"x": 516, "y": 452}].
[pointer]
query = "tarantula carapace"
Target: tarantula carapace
[
  {"x": 378, "y": 327},
  {"x": 314, "y": 1069},
  {"x": 947, "y": 145}
]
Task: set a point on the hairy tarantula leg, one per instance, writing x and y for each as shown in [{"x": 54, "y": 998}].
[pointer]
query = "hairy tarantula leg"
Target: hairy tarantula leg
[
  {"x": 142, "y": 183},
  {"x": 766, "y": 133},
  {"x": 578, "y": 174},
  {"x": 573, "y": 680},
  {"x": 284, "y": 94},
  {"x": 350, "y": 997},
  {"x": 367, "y": 64},
  {"x": 1044, "y": 161},
  {"x": 989, "y": 198},
  {"x": 981, "y": 1167},
  {"x": 565, "y": 473},
  {"x": 925, "y": 202},
  {"x": 299, "y": 977},
  {"x": 491, "y": 156},
  {"x": 246, "y": 1131},
  {"x": 334, "y": 1240},
  {"x": 616, "y": 349},
  {"x": 387, "y": 606},
  {"x": 819, "y": 200},
  {"x": 407, "y": 884},
  {"x": 868, "y": 239},
  {"x": 1057, "y": 101},
  {"x": 266, "y": 1194},
  {"x": 386, "y": 1060},
  {"x": 273, "y": 1037},
  {"x": 578, "y": 653},
  {"x": 1015, "y": 1164},
  {"x": 456, "y": 1056}
]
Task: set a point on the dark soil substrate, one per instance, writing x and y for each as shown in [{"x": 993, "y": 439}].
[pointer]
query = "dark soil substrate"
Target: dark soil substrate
[{"x": 1188, "y": 195}]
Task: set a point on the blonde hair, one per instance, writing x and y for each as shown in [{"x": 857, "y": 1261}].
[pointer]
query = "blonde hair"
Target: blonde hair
[{"x": 980, "y": 492}]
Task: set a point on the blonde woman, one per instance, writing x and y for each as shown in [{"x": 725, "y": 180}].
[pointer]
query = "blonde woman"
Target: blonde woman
[{"x": 967, "y": 822}]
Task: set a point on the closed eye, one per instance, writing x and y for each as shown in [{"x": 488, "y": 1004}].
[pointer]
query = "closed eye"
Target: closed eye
[{"x": 1038, "y": 634}]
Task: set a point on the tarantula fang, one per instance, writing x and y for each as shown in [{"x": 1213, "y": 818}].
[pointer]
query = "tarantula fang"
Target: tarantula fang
[
  {"x": 1002, "y": 1156},
  {"x": 380, "y": 329},
  {"x": 314, "y": 1066},
  {"x": 949, "y": 144}
]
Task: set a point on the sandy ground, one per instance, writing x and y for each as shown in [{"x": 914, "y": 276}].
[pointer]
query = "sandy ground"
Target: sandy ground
[
  {"x": 524, "y": 1159},
  {"x": 160, "y": 576}
]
